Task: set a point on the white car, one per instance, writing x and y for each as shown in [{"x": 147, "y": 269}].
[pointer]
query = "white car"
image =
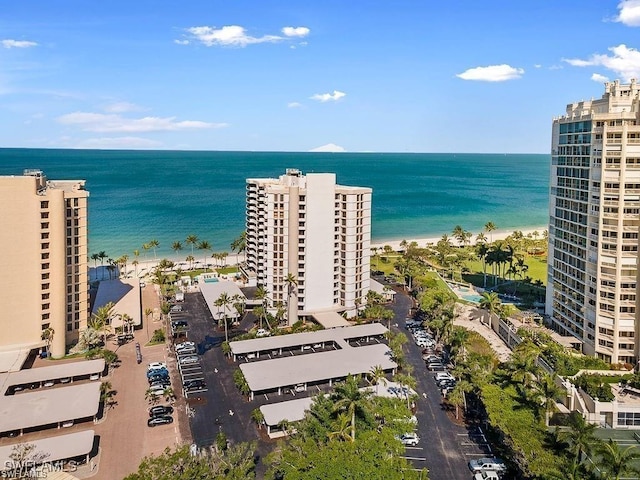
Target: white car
[
  {"x": 262, "y": 333},
  {"x": 191, "y": 359},
  {"x": 185, "y": 346},
  {"x": 489, "y": 475},
  {"x": 409, "y": 439},
  {"x": 157, "y": 390},
  {"x": 157, "y": 366},
  {"x": 487, "y": 464}
]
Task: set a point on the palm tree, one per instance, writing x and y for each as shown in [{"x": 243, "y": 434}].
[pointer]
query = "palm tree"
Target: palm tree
[
  {"x": 491, "y": 301},
  {"x": 489, "y": 227},
  {"x": 192, "y": 240},
  {"x": 547, "y": 392},
  {"x": 405, "y": 381},
  {"x": 481, "y": 238},
  {"x": 580, "y": 437},
  {"x": 102, "y": 255},
  {"x": 376, "y": 374},
  {"x": 342, "y": 428},
  {"x": 459, "y": 234},
  {"x": 224, "y": 301},
  {"x": 617, "y": 461},
  {"x": 258, "y": 417},
  {"x": 350, "y": 400},
  {"x": 150, "y": 397},
  {"x": 147, "y": 313},
  {"x": 154, "y": 244},
  {"x": 482, "y": 250},
  {"x": 262, "y": 294},
  {"x": 146, "y": 247},
  {"x": 205, "y": 246},
  {"x": 292, "y": 306},
  {"x": 176, "y": 246},
  {"x": 95, "y": 257},
  {"x": 190, "y": 259},
  {"x": 100, "y": 321},
  {"x": 239, "y": 244},
  {"x": 47, "y": 336}
]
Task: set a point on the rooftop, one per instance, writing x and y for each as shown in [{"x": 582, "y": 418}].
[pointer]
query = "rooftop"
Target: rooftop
[
  {"x": 338, "y": 335},
  {"x": 56, "y": 448},
  {"x": 316, "y": 367}
]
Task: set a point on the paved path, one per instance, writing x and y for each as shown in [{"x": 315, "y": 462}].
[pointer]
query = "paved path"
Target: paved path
[
  {"x": 124, "y": 436},
  {"x": 475, "y": 319}
]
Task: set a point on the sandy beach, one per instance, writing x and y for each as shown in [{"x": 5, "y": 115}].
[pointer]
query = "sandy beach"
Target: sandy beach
[
  {"x": 492, "y": 236},
  {"x": 146, "y": 266}
]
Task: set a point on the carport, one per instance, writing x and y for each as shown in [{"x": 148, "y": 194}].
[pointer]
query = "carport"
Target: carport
[
  {"x": 297, "y": 341},
  {"x": 125, "y": 294},
  {"x": 323, "y": 367},
  {"x": 53, "y": 372},
  {"x": 53, "y": 449},
  {"x": 291, "y": 411},
  {"x": 211, "y": 292},
  {"x": 330, "y": 319},
  {"x": 49, "y": 407}
]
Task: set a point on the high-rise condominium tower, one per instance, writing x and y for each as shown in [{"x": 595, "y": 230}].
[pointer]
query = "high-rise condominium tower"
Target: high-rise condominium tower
[
  {"x": 43, "y": 259},
  {"x": 594, "y": 213},
  {"x": 308, "y": 242}
]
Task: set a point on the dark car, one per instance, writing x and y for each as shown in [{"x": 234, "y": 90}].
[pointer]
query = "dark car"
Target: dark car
[
  {"x": 159, "y": 372},
  {"x": 160, "y": 411},
  {"x": 194, "y": 384},
  {"x": 160, "y": 420},
  {"x": 179, "y": 324}
]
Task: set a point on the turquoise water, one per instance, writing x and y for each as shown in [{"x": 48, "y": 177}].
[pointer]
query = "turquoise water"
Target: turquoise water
[
  {"x": 211, "y": 280},
  {"x": 137, "y": 196}
]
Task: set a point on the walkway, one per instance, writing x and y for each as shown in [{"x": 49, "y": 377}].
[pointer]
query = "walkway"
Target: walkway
[{"x": 475, "y": 319}]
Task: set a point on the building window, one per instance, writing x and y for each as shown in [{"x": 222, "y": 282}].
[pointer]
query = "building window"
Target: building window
[{"x": 44, "y": 204}]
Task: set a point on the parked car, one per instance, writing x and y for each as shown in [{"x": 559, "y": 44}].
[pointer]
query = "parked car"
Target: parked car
[
  {"x": 160, "y": 410},
  {"x": 163, "y": 372},
  {"x": 186, "y": 351},
  {"x": 176, "y": 308},
  {"x": 160, "y": 420},
  {"x": 436, "y": 367},
  {"x": 486, "y": 476},
  {"x": 184, "y": 345},
  {"x": 179, "y": 324},
  {"x": 410, "y": 439},
  {"x": 157, "y": 366},
  {"x": 487, "y": 464},
  {"x": 198, "y": 383},
  {"x": 191, "y": 359},
  {"x": 262, "y": 333},
  {"x": 157, "y": 390}
]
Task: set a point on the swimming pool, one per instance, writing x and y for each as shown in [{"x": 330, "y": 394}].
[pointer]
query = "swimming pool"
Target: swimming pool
[
  {"x": 466, "y": 293},
  {"x": 210, "y": 280}
]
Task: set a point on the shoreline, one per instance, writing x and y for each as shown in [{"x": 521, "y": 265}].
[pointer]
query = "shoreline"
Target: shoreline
[
  {"x": 499, "y": 234},
  {"x": 234, "y": 258}
]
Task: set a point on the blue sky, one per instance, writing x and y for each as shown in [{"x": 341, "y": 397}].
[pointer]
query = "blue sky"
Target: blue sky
[{"x": 383, "y": 76}]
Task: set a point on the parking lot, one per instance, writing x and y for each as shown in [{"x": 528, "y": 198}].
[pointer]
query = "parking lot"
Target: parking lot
[{"x": 445, "y": 448}]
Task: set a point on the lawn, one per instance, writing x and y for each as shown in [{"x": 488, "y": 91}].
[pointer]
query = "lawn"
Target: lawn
[{"x": 537, "y": 270}]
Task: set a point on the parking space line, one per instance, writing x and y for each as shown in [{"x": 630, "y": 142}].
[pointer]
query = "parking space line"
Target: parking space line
[{"x": 421, "y": 459}]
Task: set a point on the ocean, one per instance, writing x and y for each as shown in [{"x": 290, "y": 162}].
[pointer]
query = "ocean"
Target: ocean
[{"x": 137, "y": 196}]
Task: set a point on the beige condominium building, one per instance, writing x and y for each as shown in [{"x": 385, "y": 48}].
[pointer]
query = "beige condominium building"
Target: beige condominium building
[
  {"x": 594, "y": 213},
  {"x": 308, "y": 242},
  {"x": 43, "y": 254}
]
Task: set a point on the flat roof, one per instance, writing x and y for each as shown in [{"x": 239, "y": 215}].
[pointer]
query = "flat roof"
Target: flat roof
[
  {"x": 12, "y": 360},
  {"x": 315, "y": 367},
  {"x": 291, "y": 410},
  {"x": 211, "y": 291},
  {"x": 241, "y": 347},
  {"x": 52, "y": 372},
  {"x": 56, "y": 448},
  {"x": 49, "y": 405},
  {"x": 380, "y": 288},
  {"x": 125, "y": 294},
  {"x": 330, "y": 319}
]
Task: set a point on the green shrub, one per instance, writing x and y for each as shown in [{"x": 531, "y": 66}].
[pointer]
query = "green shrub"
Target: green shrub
[
  {"x": 158, "y": 336},
  {"x": 597, "y": 386}
]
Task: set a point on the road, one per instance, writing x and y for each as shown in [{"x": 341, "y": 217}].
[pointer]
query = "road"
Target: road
[{"x": 445, "y": 448}]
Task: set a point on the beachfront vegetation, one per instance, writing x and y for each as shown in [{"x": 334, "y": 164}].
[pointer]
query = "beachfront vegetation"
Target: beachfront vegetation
[
  {"x": 214, "y": 463},
  {"x": 349, "y": 434}
]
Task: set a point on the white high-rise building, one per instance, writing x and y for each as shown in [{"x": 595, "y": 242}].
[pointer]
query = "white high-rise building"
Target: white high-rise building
[
  {"x": 594, "y": 213},
  {"x": 308, "y": 242}
]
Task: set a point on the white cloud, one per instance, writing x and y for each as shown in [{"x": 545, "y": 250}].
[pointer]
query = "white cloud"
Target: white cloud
[
  {"x": 596, "y": 77},
  {"x": 228, "y": 36},
  {"x": 492, "y": 73},
  {"x": 182, "y": 42},
  {"x": 295, "y": 31},
  {"x": 624, "y": 61},
  {"x": 118, "y": 143},
  {"x": 294, "y": 105},
  {"x": 329, "y": 147},
  {"x": 122, "y": 107},
  {"x": 537, "y": 65},
  {"x": 8, "y": 43},
  {"x": 99, "y": 122},
  {"x": 629, "y": 13},
  {"x": 325, "y": 97}
]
